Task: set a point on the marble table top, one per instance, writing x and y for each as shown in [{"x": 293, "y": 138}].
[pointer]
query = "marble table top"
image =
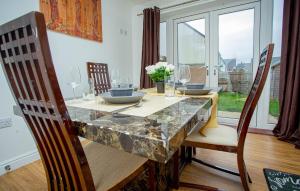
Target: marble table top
[{"x": 155, "y": 137}]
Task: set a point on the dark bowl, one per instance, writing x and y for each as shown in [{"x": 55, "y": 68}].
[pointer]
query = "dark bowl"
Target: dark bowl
[
  {"x": 195, "y": 86},
  {"x": 121, "y": 92},
  {"x": 178, "y": 85}
]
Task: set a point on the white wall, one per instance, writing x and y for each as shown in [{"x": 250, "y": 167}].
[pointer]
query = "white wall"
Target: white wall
[
  {"x": 137, "y": 39},
  {"x": 16, "y": 144}
]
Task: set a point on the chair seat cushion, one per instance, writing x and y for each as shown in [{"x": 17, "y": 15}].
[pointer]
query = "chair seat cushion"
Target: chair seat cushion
[
  {"x": 221, "y": 135},
  {"x": 109, "y": 166}
]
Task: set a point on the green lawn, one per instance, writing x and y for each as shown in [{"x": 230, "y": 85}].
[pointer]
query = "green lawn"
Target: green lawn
[
  {"x": 274, "y": 107},
  {"x": 234, "y": 102},
  {"x": 231, "y": 101}
]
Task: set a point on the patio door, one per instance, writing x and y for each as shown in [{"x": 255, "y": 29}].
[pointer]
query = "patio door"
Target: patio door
[
  {"x": 222, "y": 48},
  {"x": 191, "y": 46},
  {"x": 234, "y": 57}
]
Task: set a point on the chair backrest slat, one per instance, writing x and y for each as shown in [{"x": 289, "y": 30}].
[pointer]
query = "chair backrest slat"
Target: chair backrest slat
[
  {"x": 98, "y": 72},
  {"x": 27, "y": 64},
  {"x": 254, "y": 94}
]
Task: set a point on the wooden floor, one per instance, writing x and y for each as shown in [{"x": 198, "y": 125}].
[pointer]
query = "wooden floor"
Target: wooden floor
[{"x": 262, "y": 151}]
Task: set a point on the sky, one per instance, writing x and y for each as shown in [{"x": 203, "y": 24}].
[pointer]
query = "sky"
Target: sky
[
  {"x": 277, "y": 26},
  {"x": 163, "y": 37},
  {"x": 236, "y": 35},
  {"x": 236, "y": 32}
]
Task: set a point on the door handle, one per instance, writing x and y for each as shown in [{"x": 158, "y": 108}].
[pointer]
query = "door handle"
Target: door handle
[{"x": 207, "y": 72}]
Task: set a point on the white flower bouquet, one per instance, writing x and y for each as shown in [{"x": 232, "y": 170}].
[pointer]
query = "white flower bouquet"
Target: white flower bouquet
[{"x": 159, "y": 71}]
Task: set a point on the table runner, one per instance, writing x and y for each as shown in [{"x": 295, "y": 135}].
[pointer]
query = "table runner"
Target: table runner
[{"x": 149, "y": 105}]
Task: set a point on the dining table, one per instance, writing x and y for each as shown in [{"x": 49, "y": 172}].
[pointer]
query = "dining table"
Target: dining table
[{"x": 155, "y": 128}]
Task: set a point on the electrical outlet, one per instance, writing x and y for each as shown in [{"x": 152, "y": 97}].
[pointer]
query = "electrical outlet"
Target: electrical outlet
[
  {"x": 7, "y": 168},
  {"x": 5, "y": 122}
]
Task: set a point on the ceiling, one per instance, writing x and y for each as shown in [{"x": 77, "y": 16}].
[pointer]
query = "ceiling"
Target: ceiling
[
  {"x": 140, "y": 1},
  {"x": 148, "y": 1}
]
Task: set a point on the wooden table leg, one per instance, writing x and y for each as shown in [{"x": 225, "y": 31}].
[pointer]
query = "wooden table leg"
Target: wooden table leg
[
  {"x": 152, "y": 178},
  {"x": 179, "y": 163},
  {"x": 175, "y": 183},
  {"x": 189, "y": 154}
]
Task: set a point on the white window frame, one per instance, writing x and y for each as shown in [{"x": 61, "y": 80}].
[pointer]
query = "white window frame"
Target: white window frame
[
  {"x": 265, "y": 37},
  {"x": 207, "y": 33},
  {"x": 215, "y": 50}
]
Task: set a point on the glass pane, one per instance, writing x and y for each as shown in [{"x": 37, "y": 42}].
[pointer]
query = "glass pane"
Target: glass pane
[
  {"x": 235, "y": 68},
  {"x": 191, "y": 48},
  {"x": 163, "y": 41},
  {"x": 275, "y": 67}
]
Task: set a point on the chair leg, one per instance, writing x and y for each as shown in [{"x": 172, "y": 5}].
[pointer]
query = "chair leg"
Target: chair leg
[
  {"x": 249, "y": 178},
  {"x": 245, "y": 177},
  {"x": 243, "y": 172},
  {"x": 248, "y": 175},
  {"x": 194, "y": 151},
  {"x": 175, "y": 182}
]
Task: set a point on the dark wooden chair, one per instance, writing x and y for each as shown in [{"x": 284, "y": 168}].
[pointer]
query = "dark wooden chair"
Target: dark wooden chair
[
  {"x": 27, "y": 64},
  {"x": 198, "y": 74},
  {"x": 100, "y": 75},
  {"x": 228, "y": 139}
]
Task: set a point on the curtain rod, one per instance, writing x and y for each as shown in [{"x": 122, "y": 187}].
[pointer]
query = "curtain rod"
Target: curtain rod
[{"x": 171, "y": 6}]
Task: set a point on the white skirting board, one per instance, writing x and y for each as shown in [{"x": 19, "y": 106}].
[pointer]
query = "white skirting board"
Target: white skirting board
[{"x": 19, "y": 161}]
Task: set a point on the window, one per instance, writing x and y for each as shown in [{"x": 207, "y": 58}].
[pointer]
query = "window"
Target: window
[
  {"x": 191, "y": 43},
  {"x": 275, "y": 66},
  {"x": 163, "y": 41},
  {"x": 235, "y": 56}
]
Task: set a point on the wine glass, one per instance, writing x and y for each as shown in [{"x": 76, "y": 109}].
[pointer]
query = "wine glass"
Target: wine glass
[
  {"x": 75, "y": 79},
  {"x": 184, "y": 75},
  {"x": 170, "y": 86},
  {"x": 115, "y": 78},
  {"x": 91, "y": 86},
  {"x": 129, "y": 82},
  {"x": 89, "y": 90}
]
